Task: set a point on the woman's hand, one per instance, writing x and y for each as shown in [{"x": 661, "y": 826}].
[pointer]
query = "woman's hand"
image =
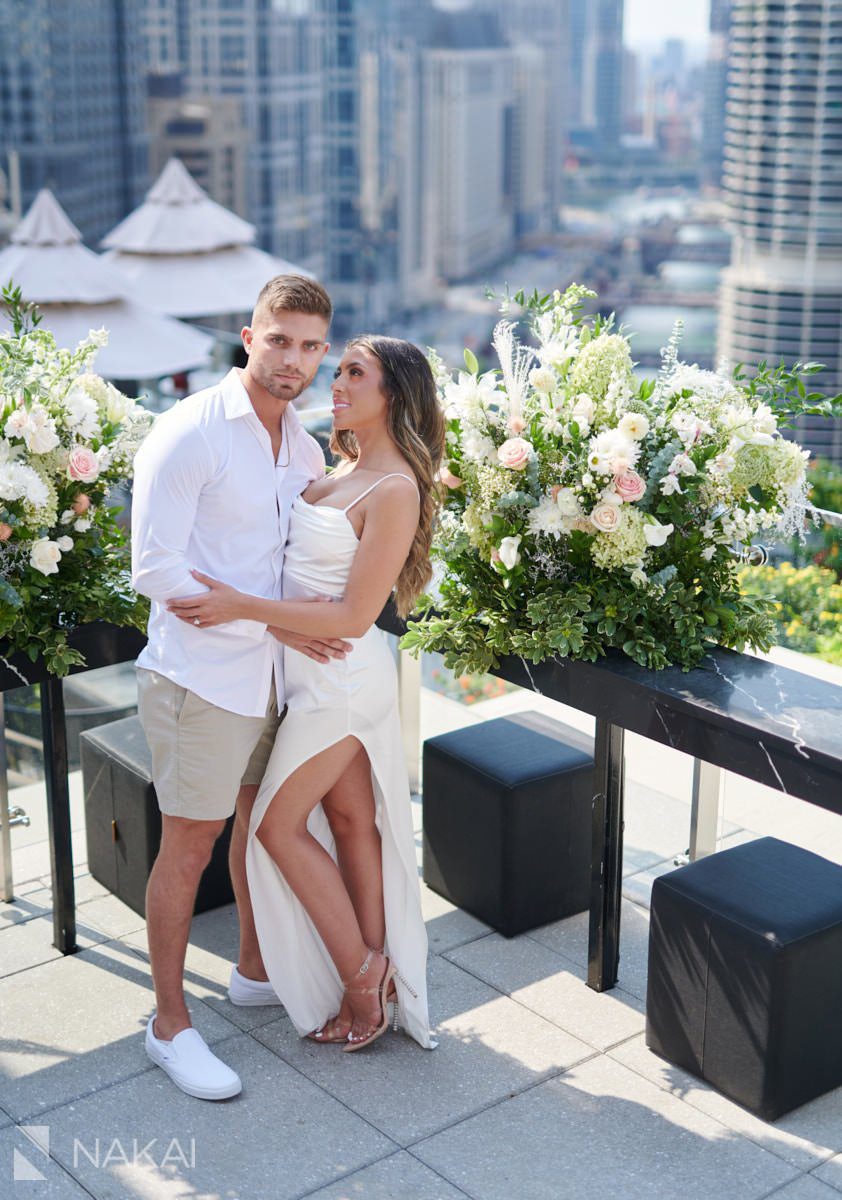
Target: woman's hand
[{"x": 219, "y": 604}]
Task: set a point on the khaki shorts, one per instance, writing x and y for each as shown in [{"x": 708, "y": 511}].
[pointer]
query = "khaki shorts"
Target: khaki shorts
[{"x": 201, "y": 754}]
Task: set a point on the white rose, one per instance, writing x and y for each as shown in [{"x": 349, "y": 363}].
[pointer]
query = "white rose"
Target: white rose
[
  {"x": 656, "y": 533},
  {"x": 634, "y": 426},
  {"x": 82, "y": 525},
  {"x": 543, "y": 380},
  {"x": 45, "y": 556},
  {"x": 567, "y": 503},
  {"x": 65, "y": 543},
  {"x": 509, "y": 555},
  {"x": 587, "y": 479},
  {"x": 67, "y": 516},
  {"x": 607, "y": 517}
]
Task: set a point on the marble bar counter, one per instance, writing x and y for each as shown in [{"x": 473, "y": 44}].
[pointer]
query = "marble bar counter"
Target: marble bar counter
[
  {"x": 768, "y": 723},
  {"x": 750, "y": 716}
]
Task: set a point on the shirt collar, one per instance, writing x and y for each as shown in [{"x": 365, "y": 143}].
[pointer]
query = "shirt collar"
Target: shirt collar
[{"x": 237, "y": 403}]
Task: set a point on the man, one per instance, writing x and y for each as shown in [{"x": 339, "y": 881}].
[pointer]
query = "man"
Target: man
[{"x": 214, "y": 483}]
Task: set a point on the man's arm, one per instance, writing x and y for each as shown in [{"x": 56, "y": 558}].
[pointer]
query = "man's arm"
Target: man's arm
[{"x": 171, "y": 468}]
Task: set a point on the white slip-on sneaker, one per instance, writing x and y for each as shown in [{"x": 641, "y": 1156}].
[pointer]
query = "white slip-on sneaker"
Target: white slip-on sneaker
[
  {"x": 192, "y": 1066},
  {"x": 248, "y": 993}
]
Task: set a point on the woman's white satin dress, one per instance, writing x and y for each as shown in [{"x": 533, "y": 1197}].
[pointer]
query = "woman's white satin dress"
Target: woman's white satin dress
[{"x": 327, "y": 702}]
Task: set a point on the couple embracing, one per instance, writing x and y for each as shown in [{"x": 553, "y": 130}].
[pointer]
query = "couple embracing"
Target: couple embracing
[{"x": 266, "y": 690}]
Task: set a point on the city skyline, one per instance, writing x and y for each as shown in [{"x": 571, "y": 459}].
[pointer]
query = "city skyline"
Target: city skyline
[{"x": 651, "y": 22}]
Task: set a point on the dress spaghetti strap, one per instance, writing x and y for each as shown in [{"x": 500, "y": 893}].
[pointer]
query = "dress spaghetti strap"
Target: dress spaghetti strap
[{"x": 377, "y": 482}]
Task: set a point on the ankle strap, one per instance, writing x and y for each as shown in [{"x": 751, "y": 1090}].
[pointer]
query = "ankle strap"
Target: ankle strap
[{"x": 363, "y": 971}]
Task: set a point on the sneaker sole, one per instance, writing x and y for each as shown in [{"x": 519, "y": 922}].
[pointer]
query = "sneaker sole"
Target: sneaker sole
[
  {"x": 196, "y": 1090},
  {"x": 254, "y": 1001}
]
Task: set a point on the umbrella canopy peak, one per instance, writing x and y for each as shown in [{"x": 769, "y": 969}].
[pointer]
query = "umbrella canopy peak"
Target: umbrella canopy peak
[
  {"x": 178, "y": 217},
  {"x": 46, "y": 224}
]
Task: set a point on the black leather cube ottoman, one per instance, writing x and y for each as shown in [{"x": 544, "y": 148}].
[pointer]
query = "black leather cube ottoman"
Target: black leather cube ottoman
[
  {"x": 745, "y": 974},
  {"x": 507, "y": 820},
  {"x": 123, "y": 820}
]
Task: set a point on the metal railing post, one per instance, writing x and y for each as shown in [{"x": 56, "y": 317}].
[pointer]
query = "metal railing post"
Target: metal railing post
[
  {"x": 704, "y": 811},
  {"x": 6, "y": 881}
]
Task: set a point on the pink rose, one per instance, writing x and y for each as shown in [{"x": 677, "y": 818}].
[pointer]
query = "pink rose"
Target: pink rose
[
  {"x": 5, "y": 531},
  {"x": 629, "y": 485},
  {"x": 450, "y": 480},
  {"x": 516, "y": 425},
  {"x": 607, "y": 517},
  {"x": 514, "y": 453},
  {"x": 82, "y": 464},
  {"x": 81, "y": 504}
]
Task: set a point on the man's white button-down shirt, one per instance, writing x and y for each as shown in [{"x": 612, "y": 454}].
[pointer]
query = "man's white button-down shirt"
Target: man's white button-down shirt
[{"x": 208, "y": 495}]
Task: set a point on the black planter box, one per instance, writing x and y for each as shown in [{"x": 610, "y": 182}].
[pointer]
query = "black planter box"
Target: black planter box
[
  {"x": 507, "y": 820},
  {"x": 745, "y": 974},
  {"x": 123, "y": 820}
]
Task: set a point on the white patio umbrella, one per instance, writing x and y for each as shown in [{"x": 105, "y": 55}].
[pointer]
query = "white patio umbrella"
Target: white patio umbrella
[
  {"x": 186, "y": 255},
  {"x": 77, "y": 291}
]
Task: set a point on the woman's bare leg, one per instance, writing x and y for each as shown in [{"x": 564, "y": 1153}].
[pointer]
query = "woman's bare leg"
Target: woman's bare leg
[
  {"x": 313, "y": 875},
  {"x": 349, "y": 807}
]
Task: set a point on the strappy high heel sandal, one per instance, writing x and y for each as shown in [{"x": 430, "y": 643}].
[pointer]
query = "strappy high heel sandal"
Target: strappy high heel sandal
[
  {"x": 381, "y": 990},
  {"x": 328, "y": 1033},
  {"x": 392, "y": 993}
]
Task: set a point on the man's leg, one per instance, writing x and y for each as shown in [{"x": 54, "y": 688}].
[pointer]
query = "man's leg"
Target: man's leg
[
  {"x": 186, "y": 847},
  {"x": 250, "y": 961}
]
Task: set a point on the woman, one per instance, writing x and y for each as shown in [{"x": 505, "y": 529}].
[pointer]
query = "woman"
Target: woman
[{"x": 331, "y": 855}]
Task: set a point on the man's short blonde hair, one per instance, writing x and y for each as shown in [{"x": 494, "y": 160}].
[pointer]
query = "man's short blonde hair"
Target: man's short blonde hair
[{"x": 292, "y": 293}]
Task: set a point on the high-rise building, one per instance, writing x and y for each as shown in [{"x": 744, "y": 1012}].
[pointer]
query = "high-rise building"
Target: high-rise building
[
  {"x": 206, "y": 133},
  {"x": 379, "y": 230},
  {"x": 601, "y": 71},
  {"x": 268, "y": 56},
  {"x": 716, "y": 79},
  {"x": 470, "y": 105},
  {"x": 781, "y": 297},
  {"x": 541, "y": 79},
  {"x": 72, "y": 106}
]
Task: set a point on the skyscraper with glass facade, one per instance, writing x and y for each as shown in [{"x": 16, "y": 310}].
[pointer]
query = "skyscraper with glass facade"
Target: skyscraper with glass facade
[
  {"x": 71, "y": 106},
  {"x": 269, "y": 56},
  {"x": 781, "y": 297}
]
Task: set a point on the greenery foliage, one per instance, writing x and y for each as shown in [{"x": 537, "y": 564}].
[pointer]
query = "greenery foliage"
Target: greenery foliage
[
  {"x": 586, "y": 513},
  {"x": 67, "y": 438}
]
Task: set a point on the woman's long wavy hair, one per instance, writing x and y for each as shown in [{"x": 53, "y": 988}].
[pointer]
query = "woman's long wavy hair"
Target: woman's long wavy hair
[{"x": 416, "y": 425}]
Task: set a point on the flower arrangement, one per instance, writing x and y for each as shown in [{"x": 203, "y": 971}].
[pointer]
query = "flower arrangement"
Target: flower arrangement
[
  {"x": 584, "y": 512},
  {"x": 66, "y": 439}
]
